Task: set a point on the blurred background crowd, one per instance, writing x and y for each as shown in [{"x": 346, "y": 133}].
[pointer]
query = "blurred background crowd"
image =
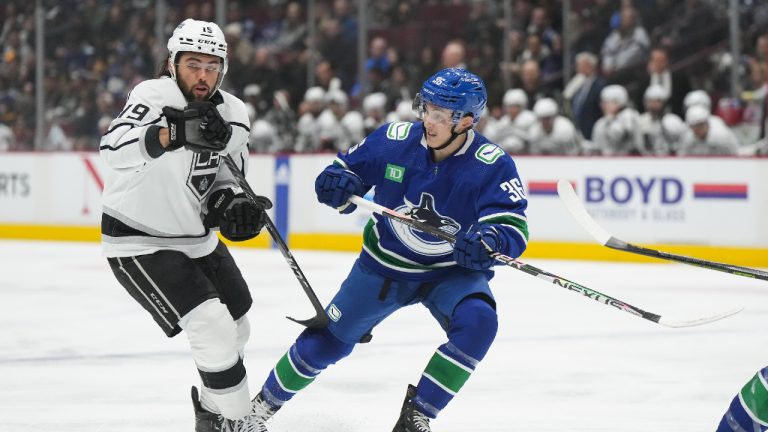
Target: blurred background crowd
[{"x": 607, "y": 77}]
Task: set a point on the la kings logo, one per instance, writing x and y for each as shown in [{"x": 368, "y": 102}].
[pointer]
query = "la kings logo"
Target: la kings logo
[
  {"x": 417, "y": 241},
  {"x": 202, "y": 173}
]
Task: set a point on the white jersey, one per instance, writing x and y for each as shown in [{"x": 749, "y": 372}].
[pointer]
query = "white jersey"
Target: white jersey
[
  {"x": 308, "y": 140},
  {"x": 720, "y": 141},
  {"x": 512, "y": 135},
  {"x": 563, "y": 139},
  {"x": 152, "y": 200},
  {"x": 618, "y": 135},
  {"x": 264, "y": 137},
  {"x": 340, "y": 134},
  {"x": 663, "y": 136}
]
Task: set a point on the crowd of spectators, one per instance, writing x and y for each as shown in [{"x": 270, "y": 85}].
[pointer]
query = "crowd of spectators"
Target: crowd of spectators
[{"x": 649, "y": 77}]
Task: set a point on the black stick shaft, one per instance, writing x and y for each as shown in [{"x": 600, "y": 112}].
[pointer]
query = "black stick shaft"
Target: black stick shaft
[
  {"x": 576, "y": 207},
  {"x": 320, "y": 319},
  {"x": 616, "y": 244}
]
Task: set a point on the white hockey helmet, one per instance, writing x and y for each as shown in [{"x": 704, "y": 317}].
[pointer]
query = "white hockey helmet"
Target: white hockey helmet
[
  {"x": 696, "y": 114},
  {"x": 656, "y": 92},
  {"x": 201, "y": 37},
  {"x": 697, "y": 97},
  {"x": 615, "y": 93},
  {"x": 314, "y": 94},
  {"x": 374, "y": 101},
  {"x": 337, "y": 96},
  {"x": 546, "y": 107},
  {"x": 515, "y": 97},
  {"x": 404, "y": 110},
  {"x": 252, "y": 90}
]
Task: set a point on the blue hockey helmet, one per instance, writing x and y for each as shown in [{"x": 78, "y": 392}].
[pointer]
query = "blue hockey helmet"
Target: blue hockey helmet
[{"x": 455, "y": 89}]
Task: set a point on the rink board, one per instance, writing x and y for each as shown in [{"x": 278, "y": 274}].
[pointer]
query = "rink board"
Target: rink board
[{"x": 713, "y": 208}]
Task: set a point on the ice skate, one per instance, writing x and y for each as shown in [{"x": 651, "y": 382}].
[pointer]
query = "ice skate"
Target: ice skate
[
  {"x": 206, "y": 421},
  {"x": 411, "y": 419},
  {"x": 261, "y": 412}
]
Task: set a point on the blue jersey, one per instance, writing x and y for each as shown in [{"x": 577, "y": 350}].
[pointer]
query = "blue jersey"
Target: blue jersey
[{"x": 477, "y": 184}]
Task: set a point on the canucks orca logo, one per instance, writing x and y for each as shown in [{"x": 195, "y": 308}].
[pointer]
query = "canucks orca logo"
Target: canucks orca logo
[{"x": 417, "y": 241}]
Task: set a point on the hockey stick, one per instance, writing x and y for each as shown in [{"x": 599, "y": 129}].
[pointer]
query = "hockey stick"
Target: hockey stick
[
  {"x": 320, "y": 319},
  {"x": 577, "y": 210},
  {"x": 533, "y": 271}
]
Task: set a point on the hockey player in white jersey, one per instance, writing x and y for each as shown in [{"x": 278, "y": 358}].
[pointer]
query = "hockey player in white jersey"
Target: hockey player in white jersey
[
  {"x": 662, "y": 131},
  {"x": 374, "y": 111},
  {"x": 167, "y": 190},
  {"x": 707, "y": 137},
  {"x": 552, "y": 134},
  {"x": 512, "y": 130},
  {"x": 702, "y": 99},
  {"x": 308, "y": 140},
  {"x": 616, "y": 133},
  {"x": 339, "y": 128}
]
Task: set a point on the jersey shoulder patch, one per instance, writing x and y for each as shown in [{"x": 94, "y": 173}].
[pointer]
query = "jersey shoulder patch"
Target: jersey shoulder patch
[
  {"x": 398, "y": 131},
  {"x": 488, "y": 153}
]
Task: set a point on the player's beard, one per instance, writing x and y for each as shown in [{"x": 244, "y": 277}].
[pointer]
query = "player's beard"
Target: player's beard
[{"x": 189, "y": 93}]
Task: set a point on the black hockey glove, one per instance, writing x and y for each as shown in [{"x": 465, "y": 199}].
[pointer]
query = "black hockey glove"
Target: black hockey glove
[
  {"x": 214, "y": 128},
  {"x": 177, "y": 126},
  {"x": 186, "y": 129},
  {"x": 238, "y": 216}
]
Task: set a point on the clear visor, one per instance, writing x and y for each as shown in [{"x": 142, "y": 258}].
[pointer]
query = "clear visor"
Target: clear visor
[
  {"x": 197, "y": 66},
  {"x": 432, "y": 113}
]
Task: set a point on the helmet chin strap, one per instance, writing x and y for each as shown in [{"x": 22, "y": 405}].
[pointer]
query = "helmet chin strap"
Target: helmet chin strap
[{"x": 450, "y": 140}]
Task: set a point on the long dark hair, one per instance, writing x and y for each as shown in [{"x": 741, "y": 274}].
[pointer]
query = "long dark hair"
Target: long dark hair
[{"x": 162, "y": 68}]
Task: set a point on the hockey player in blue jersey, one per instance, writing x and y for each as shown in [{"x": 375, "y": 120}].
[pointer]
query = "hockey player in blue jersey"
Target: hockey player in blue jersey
[
  {"x": 442, "y": 172},
  {"x": 748, "y": 411}
]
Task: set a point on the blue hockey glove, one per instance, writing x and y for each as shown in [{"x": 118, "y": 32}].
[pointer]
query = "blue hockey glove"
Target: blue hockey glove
[
  {"x": 335, "y": 185},
  {"x": 469, "y": 250}
]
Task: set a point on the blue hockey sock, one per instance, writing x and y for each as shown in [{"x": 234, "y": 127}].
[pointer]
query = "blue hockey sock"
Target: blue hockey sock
[
  {"x": 472, "y": 330},
  {"x": 748, "y": 411},
  {"x": 313, "y": 351}
]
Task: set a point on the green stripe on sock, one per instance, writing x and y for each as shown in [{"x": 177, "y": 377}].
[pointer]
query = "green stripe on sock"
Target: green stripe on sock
[
  {"x": 755, "y": 397},
  {"x": 447, "y": 373},
  {"x": 290, "y": 379}
]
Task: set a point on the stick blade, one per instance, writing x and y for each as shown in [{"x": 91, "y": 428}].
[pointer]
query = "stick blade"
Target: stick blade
[
  {"x": 576, "y": 208},
  {"x": 316, "y": 322},
  {"x": 699, "y": 321}
]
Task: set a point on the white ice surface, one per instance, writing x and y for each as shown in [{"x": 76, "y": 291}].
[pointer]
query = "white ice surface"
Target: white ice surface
[{"x": 78, "y": 354}]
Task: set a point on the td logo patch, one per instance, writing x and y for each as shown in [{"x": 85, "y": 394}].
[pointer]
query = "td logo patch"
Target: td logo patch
[{"x": 394, "y": 173}]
